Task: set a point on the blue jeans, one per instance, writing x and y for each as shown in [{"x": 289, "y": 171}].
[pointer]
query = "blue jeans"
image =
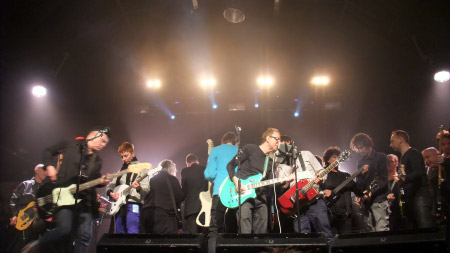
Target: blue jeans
[
  {"x": 315, "y": 219},
  {"x": 58, "y": 239},
  {"x": 128, "y": 224}
]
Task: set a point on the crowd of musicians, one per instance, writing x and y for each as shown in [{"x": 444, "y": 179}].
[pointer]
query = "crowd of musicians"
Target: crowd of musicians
[{"x": 388, "y": 192}]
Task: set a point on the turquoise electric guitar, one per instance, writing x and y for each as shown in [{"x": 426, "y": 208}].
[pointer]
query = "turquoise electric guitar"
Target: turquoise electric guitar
[{"x": 230, "y": 198}]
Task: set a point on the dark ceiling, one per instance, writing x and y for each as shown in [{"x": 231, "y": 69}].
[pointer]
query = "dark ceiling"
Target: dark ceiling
[{"x": 95, "y": 58}]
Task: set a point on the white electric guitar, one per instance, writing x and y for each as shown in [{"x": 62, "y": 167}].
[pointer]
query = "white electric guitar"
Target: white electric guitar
[
  {"x": 124, "y": 191},
  {"x": 206, "y": 197}
]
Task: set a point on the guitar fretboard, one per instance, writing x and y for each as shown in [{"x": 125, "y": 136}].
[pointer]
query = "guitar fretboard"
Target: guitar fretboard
[
  {"x": 346, "y": 181},
  {"x": 267, "y": 182},
  {"x": 97, "y": 181},
  {"x": 323, "y": 173}
]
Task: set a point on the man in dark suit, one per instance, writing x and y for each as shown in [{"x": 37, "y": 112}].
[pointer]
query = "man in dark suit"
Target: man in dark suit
[{"x": 192, "y": 182}]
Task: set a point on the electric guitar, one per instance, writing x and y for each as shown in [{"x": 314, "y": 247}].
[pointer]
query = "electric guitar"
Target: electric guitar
[
  {"x": 305, "y": 186},
  {"x": 51, "y": 196},
  {"x": 401, "y": 191},
  {"x": 26, "y": 216},
  {"x": 230, "y": 198},
  {"x": 206, "y": 197},
  {"x": 124, "y": 191},
  {"x": 367, "y": 202},
  {"x": 329, "y": 201}
]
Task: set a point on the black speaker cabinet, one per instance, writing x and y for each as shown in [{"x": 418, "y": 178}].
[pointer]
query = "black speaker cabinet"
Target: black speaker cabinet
[
  {"x": 411, "y": 241},
  {"x": 311, "y": 242},
  {"x": 150, "y": 243}
]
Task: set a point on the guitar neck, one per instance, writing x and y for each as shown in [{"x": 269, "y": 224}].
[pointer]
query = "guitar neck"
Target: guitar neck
[
  {"x": 98, "y": 181},
  {"x": 323, "y": 173},
  {"x": 267, "y": 182},
  {"x": 346, "y": 181}
]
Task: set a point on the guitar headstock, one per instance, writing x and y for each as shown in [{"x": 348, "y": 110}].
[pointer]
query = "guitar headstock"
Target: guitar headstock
[
  {"x": 210, "y": 145},
  {"x": 345, "y": 155},
  {"x": 154, "y": 171},
  {"x": 138, "y": 167}
]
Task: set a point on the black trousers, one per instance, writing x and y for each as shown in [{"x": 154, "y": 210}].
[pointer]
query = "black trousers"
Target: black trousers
[
  {"x": 418, "y": 209},
  {"x": 158, "y": 221},
  {"x": 190, "y": 224},
  {"x": 217, "y": 223}
]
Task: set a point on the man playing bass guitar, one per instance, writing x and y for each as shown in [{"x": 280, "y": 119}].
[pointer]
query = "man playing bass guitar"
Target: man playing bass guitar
[
  {"x": 23, "y": 209},
  {"x": 59, "y": 238}
]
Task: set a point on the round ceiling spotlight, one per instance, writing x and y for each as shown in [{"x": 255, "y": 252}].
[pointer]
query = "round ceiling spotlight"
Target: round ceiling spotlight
[{"x": 233, "y": 15}]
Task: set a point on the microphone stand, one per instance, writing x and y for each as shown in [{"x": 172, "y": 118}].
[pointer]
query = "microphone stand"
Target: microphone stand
[
  {"x": 238, "y": 157},
  {"x": 293, "y": 154}
]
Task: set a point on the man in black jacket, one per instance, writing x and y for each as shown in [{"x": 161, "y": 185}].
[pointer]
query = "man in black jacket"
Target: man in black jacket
[
  {"x": 158, "y": 210},
  {"x": 373, "y": 181},
  {"x": 415, "y": 183},
  {"x": 192, "y": 182},
  {"x": 68, "y": 169}
]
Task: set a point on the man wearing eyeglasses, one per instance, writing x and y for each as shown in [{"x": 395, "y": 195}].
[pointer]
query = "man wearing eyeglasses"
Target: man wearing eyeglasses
[{"x": 254, "y": 160}]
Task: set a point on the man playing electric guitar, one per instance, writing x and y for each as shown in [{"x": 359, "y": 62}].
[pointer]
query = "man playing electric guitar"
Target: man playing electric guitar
[
  {"x": 59, "y": 238},
  {"x": 341, "y": 209},
  {"x": 313, "y": 217},
  {"x": 254, "y": 160},
  {"x": 127, "y": 218},
  {"x": 216, "y": 172},
  {"x": 375, "y": 171},
  {"x": 415, "y": 183},
  {"x": 23, "y": 210}
]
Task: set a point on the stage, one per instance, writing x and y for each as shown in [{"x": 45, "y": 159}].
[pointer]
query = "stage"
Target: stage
[{"x": 417, "y": 240}]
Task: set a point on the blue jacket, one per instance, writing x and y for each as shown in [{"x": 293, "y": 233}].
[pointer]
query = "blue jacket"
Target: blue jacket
[{"x": 216, "y": 169}]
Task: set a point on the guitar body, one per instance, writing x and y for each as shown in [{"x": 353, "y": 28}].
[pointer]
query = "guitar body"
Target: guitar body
[
  {"x": 206, "y": 197},
  {"x": 26, "y": 216},
  {"x": 287, "y": 200},
  {"x": 228, "y": 195},
  {"x": 206, "y": 200},
  {"x": 122, "y": 200},
  {"x": 51, "y": 196}
]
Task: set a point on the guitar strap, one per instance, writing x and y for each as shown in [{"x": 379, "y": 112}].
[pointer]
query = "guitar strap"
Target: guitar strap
[
  {"x": 172, "y": 197},
  {"x": 302, "y": 163},
  {"x": 266, "y": 162}
]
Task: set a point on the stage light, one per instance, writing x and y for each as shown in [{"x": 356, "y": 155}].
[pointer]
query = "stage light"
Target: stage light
[
  {"x": 39, "y": 91},
  {"x": 172, "y": 117},
  {"x": 296, "y": 114},
  {"x": 265, "y": 81},
  {"x": 214, "y": 106},
  {"x": 210, "y": 82},
  {"x": 442, "y": 76},
  {"x": 256, "y": 105},
  {"x": 154, "y": 84},
  {"x": 320, "y": 80}
]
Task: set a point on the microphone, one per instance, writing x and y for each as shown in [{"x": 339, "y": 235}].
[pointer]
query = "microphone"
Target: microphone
[
  {"x": 237, "y": 128},
  {"x": 104, "y": 131}
]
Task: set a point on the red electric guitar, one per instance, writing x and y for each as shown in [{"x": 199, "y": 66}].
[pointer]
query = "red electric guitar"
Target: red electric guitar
[{"x": 305, "y": 186}]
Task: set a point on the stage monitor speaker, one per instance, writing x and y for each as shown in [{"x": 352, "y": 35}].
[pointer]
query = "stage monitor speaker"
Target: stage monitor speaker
[
  {"x": 411, "y": 241},
  {"x": 311, "y": 242},
  {"x": 150, "y": 243}
]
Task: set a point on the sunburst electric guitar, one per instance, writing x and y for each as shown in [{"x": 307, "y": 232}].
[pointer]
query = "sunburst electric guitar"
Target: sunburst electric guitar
[
  {"x": 26, "y": 216},
  {"x": 206, "y": 198}
]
